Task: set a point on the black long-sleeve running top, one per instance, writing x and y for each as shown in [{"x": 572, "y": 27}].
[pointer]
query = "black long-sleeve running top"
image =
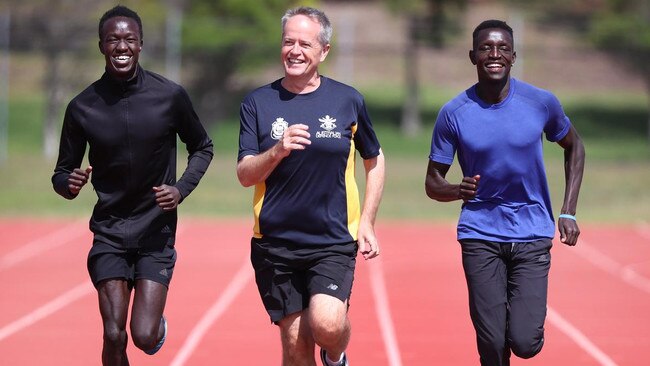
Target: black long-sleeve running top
[{"x": 130, "y": 128}]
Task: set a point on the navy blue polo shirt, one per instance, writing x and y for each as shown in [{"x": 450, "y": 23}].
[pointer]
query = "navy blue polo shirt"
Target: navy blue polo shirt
[{"x": 311, "y": 197}]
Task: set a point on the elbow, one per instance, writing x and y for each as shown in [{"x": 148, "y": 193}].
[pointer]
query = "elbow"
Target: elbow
[
  {"x": 430, "y": 191},
  {"x": 244, "y": 179},
  {"x": 437, "y": 193},
  {"x": 246, "y": 183}
]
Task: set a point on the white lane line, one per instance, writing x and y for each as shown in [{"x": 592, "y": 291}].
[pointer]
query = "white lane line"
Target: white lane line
[
  {"x": 41, "y": 245},
  {"x": 378, "y": 285},
  {"x": 241, "y": 279},
  {"x": 579, "y": 338},
  {"x": 48, "y": 309},
  {"x": 625, "y": 273}
]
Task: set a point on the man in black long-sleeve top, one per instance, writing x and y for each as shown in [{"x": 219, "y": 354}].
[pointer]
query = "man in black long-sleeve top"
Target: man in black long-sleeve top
[{"x": 130, "y": 118}]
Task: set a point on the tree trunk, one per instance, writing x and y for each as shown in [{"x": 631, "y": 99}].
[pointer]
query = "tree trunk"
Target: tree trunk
[
  {"x": 52, "y": 104},
  {"x": 647, "y": 83},
  {"x": 411, "y": 121},
  {"x": 5, "y": 19}
]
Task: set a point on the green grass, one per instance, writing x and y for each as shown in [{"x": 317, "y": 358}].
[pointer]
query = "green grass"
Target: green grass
[{"x": 613, "y": 190}]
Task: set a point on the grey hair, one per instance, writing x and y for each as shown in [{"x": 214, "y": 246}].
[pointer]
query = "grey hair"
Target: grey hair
[{"x": 319, "y": 16}]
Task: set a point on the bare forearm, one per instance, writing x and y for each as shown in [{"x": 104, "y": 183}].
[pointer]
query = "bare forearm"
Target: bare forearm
[
  {"x": 574, "y": 163},
  {"x": 254, "y": 169},
  {"x": 438, "y": 188},
  {"x": 442, "y": 191},
  {"x": 375, "y": 175}
]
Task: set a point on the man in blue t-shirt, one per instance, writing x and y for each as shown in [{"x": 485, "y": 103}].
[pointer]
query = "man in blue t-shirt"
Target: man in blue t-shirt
[
  {"x": 506, "y": 223},
  {"x": 297, "y": 145}
]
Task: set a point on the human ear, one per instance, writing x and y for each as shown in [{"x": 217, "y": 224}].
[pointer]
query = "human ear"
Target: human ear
[{"x": 472, "y": 57}]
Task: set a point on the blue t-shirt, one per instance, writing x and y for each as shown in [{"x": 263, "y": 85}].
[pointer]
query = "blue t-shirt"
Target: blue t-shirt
[
  {"x": 311, "y": 197},
  {"x": 503, "y": 144}
]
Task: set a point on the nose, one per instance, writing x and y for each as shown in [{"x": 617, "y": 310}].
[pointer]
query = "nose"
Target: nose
[
  {"x": 494, "y": 52},
  {"x": 122, "y": 45},
  {"x": 295, "y": 49}
]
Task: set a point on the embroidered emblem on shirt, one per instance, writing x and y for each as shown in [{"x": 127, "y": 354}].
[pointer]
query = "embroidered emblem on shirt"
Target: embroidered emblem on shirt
[
  {"x": 278, "y": 127},
  {"x": 327, "y": 124}
]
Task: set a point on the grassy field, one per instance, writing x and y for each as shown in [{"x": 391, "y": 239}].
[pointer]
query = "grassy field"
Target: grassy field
[{"x": 613, "y": 190}]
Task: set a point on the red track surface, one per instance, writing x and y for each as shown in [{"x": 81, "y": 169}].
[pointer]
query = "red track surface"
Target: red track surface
[{"x": 409, "y": 307}]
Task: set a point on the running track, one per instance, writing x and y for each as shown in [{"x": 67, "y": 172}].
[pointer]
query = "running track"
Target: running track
[{"x": 408, "y": 306}]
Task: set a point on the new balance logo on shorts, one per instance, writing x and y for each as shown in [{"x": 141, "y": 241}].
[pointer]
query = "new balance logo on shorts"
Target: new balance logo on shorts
[
  {"x": 332, "y": 287},
  {"x": 163, "y": 272}
]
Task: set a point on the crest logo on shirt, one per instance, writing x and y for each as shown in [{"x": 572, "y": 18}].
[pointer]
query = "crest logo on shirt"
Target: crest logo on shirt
[
  {"x": 278, "y": 127},
  {"x": 327, "y": 124}
]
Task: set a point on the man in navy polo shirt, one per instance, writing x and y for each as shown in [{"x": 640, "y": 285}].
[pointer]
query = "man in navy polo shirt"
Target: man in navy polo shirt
[{"x": 297, "y": 146}]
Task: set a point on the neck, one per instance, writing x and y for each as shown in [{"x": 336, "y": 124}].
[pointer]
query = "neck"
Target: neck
[
  {"x": 127, "y": 78},
  {"x": 301, "y": 84},
  {"x": 493, "y": 92}
]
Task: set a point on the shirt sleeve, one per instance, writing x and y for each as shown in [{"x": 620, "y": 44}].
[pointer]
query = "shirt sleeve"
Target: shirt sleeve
[
  {"x": 365, "y": 139},
  {"x": 72, "y": 148},
  {"x": 558, "y": 123},
  {"x": 198, "y": 143},
  {"x": 444, "y": 139},
  {"x": 248, "y": 139}
]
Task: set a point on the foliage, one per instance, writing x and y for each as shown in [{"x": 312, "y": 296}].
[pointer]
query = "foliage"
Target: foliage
[
  {"x": 624, "y": 30},
  {"x": 618, "y": 27},
  {"x": 225, "y": 38},
  {"x": 432, "y": 22}
]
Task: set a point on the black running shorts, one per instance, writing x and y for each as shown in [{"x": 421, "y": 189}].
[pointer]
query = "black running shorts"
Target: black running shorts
[
  {"x": 288, "y": 274},
  {"x": 106, "y": 261}
]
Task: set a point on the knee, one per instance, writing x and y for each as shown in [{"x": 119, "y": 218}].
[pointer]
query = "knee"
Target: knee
[
  {"x": 145, "y": 339},
  {"x": 492, "y": 347},
  {"x": 115, "y": 336},
  {"x": 527, "y": 348},
  {"x": 328, "y": 331}
]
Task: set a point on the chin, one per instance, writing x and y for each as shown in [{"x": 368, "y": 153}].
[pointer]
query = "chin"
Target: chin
[{"x": 293, "y": 73}]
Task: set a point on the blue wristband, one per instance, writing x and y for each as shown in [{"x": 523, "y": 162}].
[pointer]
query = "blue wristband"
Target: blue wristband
[{"x": 567, "y": 216}]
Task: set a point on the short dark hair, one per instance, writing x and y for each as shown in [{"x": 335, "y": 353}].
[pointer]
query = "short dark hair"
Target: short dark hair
[
  {"x": 120, "y": 11},
  {"x": 488, "y": 24}
]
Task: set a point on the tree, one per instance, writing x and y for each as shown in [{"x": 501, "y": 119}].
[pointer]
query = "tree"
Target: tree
[
  {"x": 622, "y": 29},
  {"x": 65, "y": 33},
  {"x": 430, "y": 23},
  {"x": 47, "y": 28},
  {"x": 225, "y": 38}
]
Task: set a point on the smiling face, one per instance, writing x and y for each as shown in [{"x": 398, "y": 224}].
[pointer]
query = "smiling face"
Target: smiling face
[
  {"x": 120, "y": 43},
  {"x": 301, "y": 50},
  {"x": 493, "y": 54}
]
